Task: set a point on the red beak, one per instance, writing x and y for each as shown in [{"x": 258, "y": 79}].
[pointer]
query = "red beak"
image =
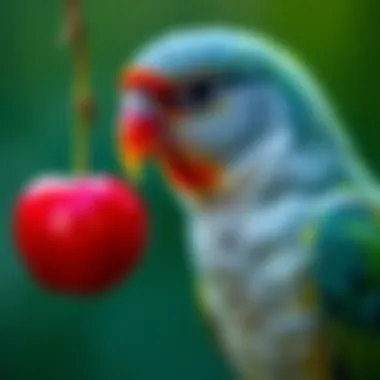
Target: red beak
[
  {"x": 138, "y": 135},
  {"x": 141, "y": 122}
]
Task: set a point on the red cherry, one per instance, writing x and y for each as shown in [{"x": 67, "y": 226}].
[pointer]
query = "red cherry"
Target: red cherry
[{"x": 80, "y": 235}]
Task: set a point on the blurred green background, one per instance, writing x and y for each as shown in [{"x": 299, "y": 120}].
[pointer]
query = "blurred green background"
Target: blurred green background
[{"x": 148, "y": 328}]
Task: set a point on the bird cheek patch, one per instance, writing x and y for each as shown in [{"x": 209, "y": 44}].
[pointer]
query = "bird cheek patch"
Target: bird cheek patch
[{"x": 219, "y": 107}]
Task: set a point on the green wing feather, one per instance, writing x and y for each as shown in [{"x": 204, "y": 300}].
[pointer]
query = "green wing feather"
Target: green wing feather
[{"x": 347, "y": 275}]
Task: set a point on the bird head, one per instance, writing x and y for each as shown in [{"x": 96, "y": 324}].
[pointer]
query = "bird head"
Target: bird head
[{"x": 196, "y": 101}]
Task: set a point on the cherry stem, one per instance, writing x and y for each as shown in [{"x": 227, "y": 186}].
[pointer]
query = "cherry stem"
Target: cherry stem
[{"x": 83, "y": 100}]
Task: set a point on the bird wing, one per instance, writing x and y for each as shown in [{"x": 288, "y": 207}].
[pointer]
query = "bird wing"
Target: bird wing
[{"x": 346, "y": 274}]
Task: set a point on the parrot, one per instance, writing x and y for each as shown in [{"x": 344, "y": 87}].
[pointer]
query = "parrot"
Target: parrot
[{"x": 282, "y": 216}]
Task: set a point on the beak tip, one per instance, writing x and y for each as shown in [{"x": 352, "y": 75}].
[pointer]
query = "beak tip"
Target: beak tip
[
  {"x": 137, "y": 139},
  {"x": 133, "y": 165}
]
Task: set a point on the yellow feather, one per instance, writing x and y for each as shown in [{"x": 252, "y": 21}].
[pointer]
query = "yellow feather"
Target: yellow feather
[{"x": 317, "y": 363}]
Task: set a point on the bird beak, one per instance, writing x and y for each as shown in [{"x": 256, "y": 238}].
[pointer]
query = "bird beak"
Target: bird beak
[{"x": 139, "y": 131}]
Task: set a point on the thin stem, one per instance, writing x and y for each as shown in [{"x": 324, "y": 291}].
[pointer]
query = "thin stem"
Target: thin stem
[{"x": 83, "y": 100}]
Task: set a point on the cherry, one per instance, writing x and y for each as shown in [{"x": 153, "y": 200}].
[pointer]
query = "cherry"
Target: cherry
[{"x": 80, "y": 235}]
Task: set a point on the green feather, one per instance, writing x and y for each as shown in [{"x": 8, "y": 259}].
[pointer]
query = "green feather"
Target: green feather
[
  {"x": 357, "y": 350},
  {"x": 347, "y": 274}
]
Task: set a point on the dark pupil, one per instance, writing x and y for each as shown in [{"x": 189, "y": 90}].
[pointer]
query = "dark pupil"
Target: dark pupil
[{"x": 198, "y": 93}]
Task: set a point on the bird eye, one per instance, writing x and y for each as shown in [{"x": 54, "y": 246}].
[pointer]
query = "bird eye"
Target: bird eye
[{"x": 198, "y": 93}]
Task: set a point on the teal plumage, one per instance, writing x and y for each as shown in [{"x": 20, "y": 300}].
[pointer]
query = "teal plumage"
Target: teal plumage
[{"x": 347, "y": 275}]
